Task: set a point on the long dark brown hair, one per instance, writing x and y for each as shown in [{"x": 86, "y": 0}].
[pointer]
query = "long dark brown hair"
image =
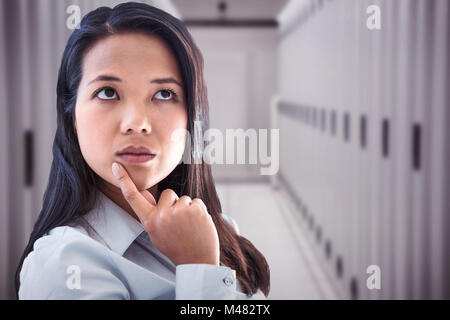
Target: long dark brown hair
[{"x": 69, "y": 193}]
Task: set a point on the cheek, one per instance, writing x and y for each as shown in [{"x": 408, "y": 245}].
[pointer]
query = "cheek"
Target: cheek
[
  {"x": 94, "y": 138},
  {"x": 173, "y": 136}
]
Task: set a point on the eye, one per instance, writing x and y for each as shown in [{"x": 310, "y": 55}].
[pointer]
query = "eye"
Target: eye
[
  {"x": 106, "y": 93},
  {"x": 166, "y": 94}
]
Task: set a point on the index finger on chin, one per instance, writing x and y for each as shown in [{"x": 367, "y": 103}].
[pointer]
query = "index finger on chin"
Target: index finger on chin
[{"x": 136, "y": 200}]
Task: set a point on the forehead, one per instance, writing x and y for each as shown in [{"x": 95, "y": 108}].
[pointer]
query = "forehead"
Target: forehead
[{"x": 128, "y": 54}]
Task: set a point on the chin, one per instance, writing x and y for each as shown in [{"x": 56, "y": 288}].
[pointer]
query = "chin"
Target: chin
[{"x": 141, "y": 182}]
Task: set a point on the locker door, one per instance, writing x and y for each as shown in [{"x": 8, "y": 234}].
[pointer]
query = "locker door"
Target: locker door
[
  {"x": 382, "y": 142},
  {"x": 419, "y": 160},
  {"x": 345, "y": 140},
  {"x": 326, "y": 215},
  {"x": 364, "y": 157},
  {"x": 401, "y": 152},
  {"x": 4, "y": 165},
  {"x": 439, "y": 199},
  {"x": 25, "y": 102},
  {"x": 356, "y": 283},
  {"x": 328, "y": 35},
  {"x": 318, "y": 161},
  {"x": 18, "y": 120},
  {"x": 44, "y": 111},
  {"x": 373, "y": 114},
  {"x": 351, "y": 136}
]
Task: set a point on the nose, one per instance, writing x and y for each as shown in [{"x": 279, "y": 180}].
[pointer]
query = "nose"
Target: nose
[{"x": 136, "y": 120}]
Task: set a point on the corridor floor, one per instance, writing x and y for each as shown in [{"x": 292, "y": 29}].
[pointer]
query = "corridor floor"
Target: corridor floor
[{"x": 258, "y": 209}]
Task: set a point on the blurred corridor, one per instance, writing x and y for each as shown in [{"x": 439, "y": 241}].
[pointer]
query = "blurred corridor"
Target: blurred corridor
[
  {"x": 358, "y": 207},
  {"x": 265, "y": 217}
]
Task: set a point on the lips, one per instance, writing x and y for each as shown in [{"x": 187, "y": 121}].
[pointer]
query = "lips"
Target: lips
[
  {"x": 134, "y": 154},
  {"x": 135, "y": 151}
]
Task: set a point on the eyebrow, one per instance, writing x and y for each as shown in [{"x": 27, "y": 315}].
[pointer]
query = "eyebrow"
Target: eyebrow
[{"x": 105, "y": 77}]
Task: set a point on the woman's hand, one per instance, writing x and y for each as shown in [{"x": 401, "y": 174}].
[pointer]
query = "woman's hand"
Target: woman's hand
[{"x": 180, "y": 228}]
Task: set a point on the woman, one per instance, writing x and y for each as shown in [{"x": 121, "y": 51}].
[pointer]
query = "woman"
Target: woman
[{"x": 123, "y": 217}]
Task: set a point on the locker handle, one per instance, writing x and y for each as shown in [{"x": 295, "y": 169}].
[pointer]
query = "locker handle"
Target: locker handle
[
  {"x": 385, "y": 138},
  {"x": 346, "y": 127},
  {"x": 416, "y": 146},
  {"x": 363, "y": 132},
  {"x": 29, "y": 150}
]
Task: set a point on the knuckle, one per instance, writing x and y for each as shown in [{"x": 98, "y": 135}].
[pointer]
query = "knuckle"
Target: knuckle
[
  {"x": 169, "y": 195},
  {"x": 198, "y": 210},
  {"x": 167, "y": 192},
  {"x": 196, "y": 204},
  {"x": 183, "y": 202},
  {"x": 199, "y": 202},
  {"x": 185, "y": 198}
]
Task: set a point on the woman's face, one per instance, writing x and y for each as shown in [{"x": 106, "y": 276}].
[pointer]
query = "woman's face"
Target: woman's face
[{"x": 125, "y": 99}]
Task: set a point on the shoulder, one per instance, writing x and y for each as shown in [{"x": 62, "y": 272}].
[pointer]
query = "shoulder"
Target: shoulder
[
  {"x": 64, "y": 242},
  {"x": 231, "y": 222},
  {"x": 60, "y": 262}
]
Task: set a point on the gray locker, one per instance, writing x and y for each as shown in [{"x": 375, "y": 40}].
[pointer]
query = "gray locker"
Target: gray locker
[
  {"x": 439, "y": 154},
  {"x": 4, "y": 165},
  {"x": 419, "y": 163},
  {"x": 382, "y": 200},
  {"x": 382, "y": 144}
]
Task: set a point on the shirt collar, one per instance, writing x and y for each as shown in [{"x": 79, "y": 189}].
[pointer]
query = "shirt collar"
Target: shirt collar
[{"x": 113, "y": 224}]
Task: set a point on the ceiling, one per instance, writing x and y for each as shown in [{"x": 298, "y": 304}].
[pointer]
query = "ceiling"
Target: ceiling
[{"x": 208, "y": 10}]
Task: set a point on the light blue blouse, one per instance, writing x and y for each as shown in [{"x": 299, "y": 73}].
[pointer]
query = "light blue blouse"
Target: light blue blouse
[{"x": 115, "y": 259}]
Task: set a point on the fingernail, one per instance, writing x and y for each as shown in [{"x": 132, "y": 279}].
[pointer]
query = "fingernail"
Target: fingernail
[{"x": 115, "y": 169}]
